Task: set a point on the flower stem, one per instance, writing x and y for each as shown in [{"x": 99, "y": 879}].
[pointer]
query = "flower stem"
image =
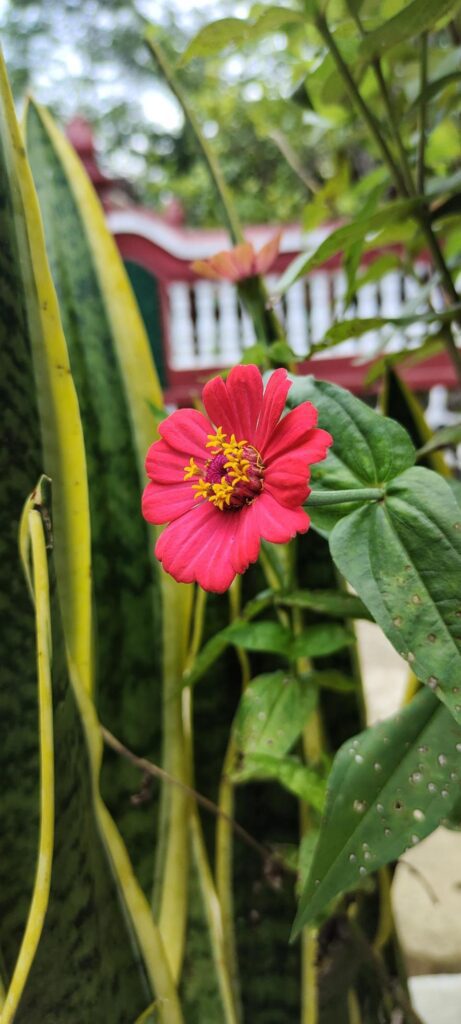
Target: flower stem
[
  {"x": 422, "y": 115},
  {"x": 357, "y": 99},
  {"x": 318, "y": 499},
  {"x": 216, "y": 174}
]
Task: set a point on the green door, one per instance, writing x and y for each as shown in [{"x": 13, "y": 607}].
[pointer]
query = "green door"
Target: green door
[{"x": 146, "y": 289}]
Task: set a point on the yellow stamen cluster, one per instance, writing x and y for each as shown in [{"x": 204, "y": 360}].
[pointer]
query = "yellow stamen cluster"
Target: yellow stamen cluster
[{"x": 234, "y": 470}]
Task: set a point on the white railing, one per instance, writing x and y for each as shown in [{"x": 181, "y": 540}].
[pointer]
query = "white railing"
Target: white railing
[{"x": 208, "y": 326}]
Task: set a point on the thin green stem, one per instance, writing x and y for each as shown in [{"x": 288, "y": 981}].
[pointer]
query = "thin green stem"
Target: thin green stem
[
  {"x": 422, "y": 116},
  {"x": 421, "y": 214},
  {"x": 318, "y": 499},
  {"x": 357, "y": 99},
  {"x": 386, "y": 97}
]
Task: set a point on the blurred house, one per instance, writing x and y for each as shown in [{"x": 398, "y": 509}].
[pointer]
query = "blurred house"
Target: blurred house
[{"x": 196, "y": 326}]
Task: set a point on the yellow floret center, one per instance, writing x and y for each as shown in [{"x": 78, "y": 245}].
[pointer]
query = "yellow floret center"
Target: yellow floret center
[{"x": 229, "y": 478}]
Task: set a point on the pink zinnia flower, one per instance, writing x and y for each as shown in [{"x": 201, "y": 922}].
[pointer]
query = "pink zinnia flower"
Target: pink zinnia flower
[
  {"x": 225, "y": 482},
  {"x": 240, "y": 262}
]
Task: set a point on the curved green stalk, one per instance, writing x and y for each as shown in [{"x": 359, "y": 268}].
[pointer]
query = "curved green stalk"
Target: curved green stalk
[
  {"x": 422, "y": 115},
  {"x": 172, "y": 862},
  {"x": 317, "y": 499},
  {"x": 41, "y": 890},
  {"x": 211, "y": 902}
]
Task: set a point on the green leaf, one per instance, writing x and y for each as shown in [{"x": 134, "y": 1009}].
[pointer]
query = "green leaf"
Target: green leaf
[
  {"x": 432, "y": 89},
  {"x": 441, "y": 439},
  {"x": 321, "y": 640},
  {"x": 261, "y": 636},
  {"x": 431, "y": 347},
  {"x": 389, "y": 787},
  {"x": 299, "y": 779},
  {"x": 334, "y": 680},
  {"x": 415, "y": 18},
  {"x": 215, "y": 37},
  {"x": 342, "y": 238},
  {"x": 326, "y": 602},
  {"x": 272, "y": 714},
  {"x": 403, "y": 557},
  {"x": 355, "y": 327},
  {"x": 212, "y": 39},
  {"x": 368, "y": 449}
]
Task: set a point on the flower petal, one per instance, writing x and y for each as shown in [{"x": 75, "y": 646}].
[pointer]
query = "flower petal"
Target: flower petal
[
  {"x": 243, "y": 259},
  {"x": 287, "y": 478},
  {"x": 161, "y": 504},
  {"x": 245, "y": 390},
  {"x": 236, "y": 404},
  {"x": 266, "y": 256},
  {"x": 197, "y": 548},
  {"x": 166, "y": 465},
  {"x": 217, "y": 404},
  {"x": 267, "y": 519},
  {"x": 187, "y": 430},
  {"x": 292, "y": 431},
  {"x": 273, "y": 404},
  {"x": 204, "y": 269},
  {"x": 276, "y": 523}
]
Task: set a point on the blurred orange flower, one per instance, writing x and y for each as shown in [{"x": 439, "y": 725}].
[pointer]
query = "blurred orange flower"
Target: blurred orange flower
[{"x": 240, "y": 262}]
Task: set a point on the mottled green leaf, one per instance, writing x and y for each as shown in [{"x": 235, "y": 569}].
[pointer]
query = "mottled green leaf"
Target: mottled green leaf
[
  {"x": 86, "y": 934},
  {"x": 127, "y": 604},
  {"x": 272, "y": 713},
  {"x": 389, "y": 787}
]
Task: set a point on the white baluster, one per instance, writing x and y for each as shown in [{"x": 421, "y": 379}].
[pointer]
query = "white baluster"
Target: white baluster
[
  {"x": 206, "y": 326},
  {"x": 229, "y": 327},
  {"x": 183, "y": 356},
  {"x": 247, "y": 329},
  {"x": 348, "y": 347},
  {"x": 437, "y": 412},
  {"x": 297, "y": 321},
  {"x": 391, "y": 305},
  {"x": 367, "y": 306},
  {"x": 319, "y": 288}
]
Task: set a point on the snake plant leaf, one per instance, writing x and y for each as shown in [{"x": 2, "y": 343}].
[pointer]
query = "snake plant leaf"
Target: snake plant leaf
[
  {"x": 100, "y": 320},
  {"x": 403, "y": 557},
  {"x": 137, "y": 605},
  {"x": 389, "y": 787},
  {"x": 41, "y": 430},
  {"x": 87, "y": 957},
  {"x": 368, "y": 449}
]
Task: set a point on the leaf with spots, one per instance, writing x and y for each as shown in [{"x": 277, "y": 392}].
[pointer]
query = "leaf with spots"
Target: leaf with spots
[
  {"x": 272, "y": 714},
  {"x": 389, "y": 787},
  {"x": 403, "y": 557}
]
